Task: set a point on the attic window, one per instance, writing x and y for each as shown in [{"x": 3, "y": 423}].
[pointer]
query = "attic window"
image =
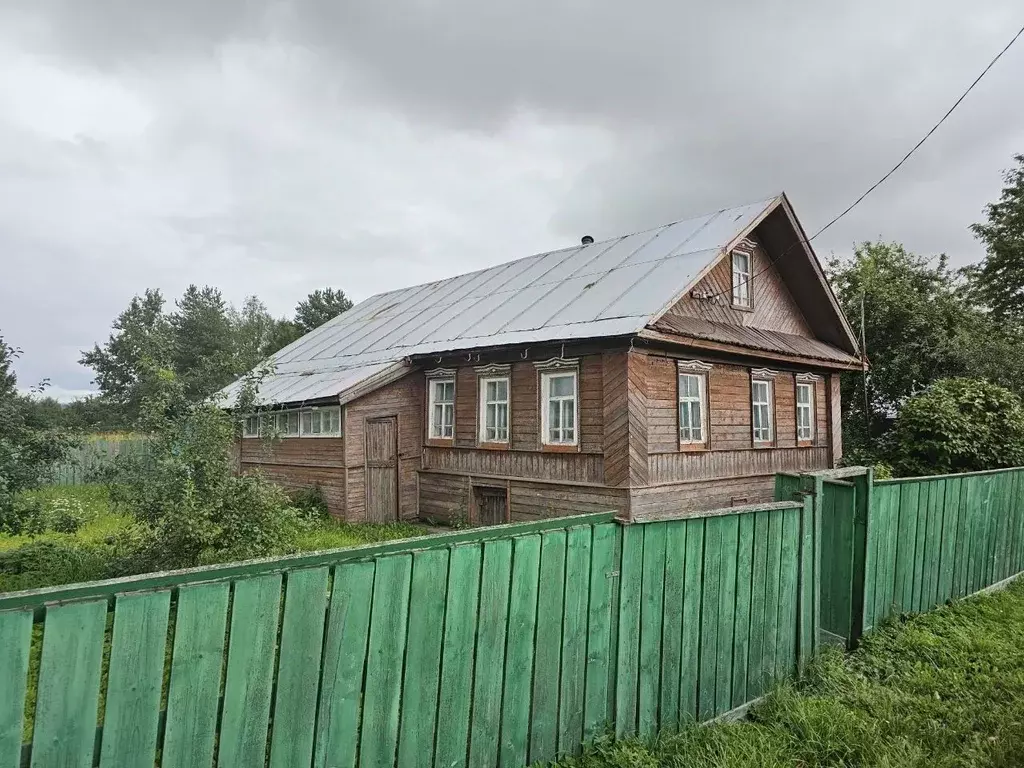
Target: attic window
[{"x": 740, "y": 279}]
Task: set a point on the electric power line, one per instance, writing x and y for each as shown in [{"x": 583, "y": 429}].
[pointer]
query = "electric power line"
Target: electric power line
[{"x": 893, "y": 170}]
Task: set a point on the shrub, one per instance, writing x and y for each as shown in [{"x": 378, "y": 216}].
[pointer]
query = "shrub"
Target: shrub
[
  {"x": 53, "y": 561},
  {"x": 310, "y": 503},
  {"x": 31, "y": 517},
  {"x": 958, "y": 425}
]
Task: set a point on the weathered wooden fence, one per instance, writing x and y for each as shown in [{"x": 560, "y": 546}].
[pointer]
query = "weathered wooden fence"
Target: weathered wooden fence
[
  {"x": 86, "y": 461},
  {"x": 496, "y": 647},
  {"x": 932, "y": 539},
  {"x": 909, "y": 544}
]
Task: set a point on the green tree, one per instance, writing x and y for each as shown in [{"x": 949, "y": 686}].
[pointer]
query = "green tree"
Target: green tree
[
  {"x": 319, "y": 307},
  {"x": 255, "y": 329},
  {"x": 958, "y": 425},
  {"x": 285, "y": 332},
  {"x": 920, "y": 325},
  {"x": 141, "y": 338},
  {"x": 203, "y": 342},
  {"x": 1000, "y": 278}
]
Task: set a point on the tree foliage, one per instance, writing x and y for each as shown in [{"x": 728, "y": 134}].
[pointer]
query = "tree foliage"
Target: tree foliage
[
  {"x": 1000, "y": 279},
  {"x": 203, "y": 342},
  {"x": 921, "y": 324},
  {"x": 958, "y": 425},
  {"x": 319, "y": 307}
]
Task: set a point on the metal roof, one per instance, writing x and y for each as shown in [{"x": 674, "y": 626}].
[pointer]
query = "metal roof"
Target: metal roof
[{"x": 609, "y": 288}]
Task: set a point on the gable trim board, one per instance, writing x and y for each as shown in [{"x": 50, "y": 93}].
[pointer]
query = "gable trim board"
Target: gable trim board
[{"x": 620, "y": 287}]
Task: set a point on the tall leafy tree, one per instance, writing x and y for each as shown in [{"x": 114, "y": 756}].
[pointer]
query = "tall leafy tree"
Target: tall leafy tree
[
  {"x": 1000, "y": 279},
  {"x": 920, "y": 325},
  {"x": 254, "y": 334},
  {"x": 203, "y": 341},
  {"x": 141, "y": 338},
  {"x": 319, "y": 307}
]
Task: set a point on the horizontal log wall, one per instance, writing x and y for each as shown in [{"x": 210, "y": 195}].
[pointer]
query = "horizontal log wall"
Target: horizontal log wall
[
  {"x": 710, "y": 465},
  {"x": 296, "y": 463},
  {"x": 702, "y": 495},
  {"x": 576, "y": 467},
  {"x": 446, "y": 497}
]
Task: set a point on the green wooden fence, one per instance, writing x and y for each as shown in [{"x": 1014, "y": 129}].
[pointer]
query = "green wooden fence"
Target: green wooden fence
[
  {"x": 86, "y": 461},
  {"x": 496, "y": 647},
  {"x": 933, "y": 539}
]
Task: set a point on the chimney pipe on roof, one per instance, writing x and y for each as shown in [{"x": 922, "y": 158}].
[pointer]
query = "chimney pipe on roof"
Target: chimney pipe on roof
[{"x": 587, "y": 240}]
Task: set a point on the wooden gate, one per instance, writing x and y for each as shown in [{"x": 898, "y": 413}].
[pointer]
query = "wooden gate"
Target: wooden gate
[{"x": 382, "y": 470}]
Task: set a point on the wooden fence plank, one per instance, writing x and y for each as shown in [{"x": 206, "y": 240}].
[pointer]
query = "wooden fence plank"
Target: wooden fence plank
[
  {"x": 651, "y": 628},
  {"x": 193, "y": 696},
  {"x": 741, "y": 639},
  {"x": 936, "y": 515},
  {"x": 950, "y": 514},
  {"x": 378, "y": 740},
  {"x": 457, "y": 656},
  {"x": 69, "y": 685},
  {"x": 962, "y": 544},
  {"x": 706, "y": 690},
  {"x": 348, "y": 630},
  {"x": 973, "y": 534},
  {"x": 298, "y": 677},
  {"x": 423, "y": 658},
  {"x": 892, "y": 546},
  {"x": 135, "y": 680},
  {"x": 689, "y": 653},
  {"x": 603, "y": 570},
  {"x": 631, "y": 571},
  {"x": 547, "y": 656},
  {"x": 485, "y": 729},
  {"x": 730, "y": 531},
  {"x": 16, "y": 642},
  {"x": 756, "y": 669},
  {"x": 672, "y": 626},
  {"x": 772, "y": 596},
  {"x": 522, "y": 622},
  {"x": 921, "y": 548},
  {"x": 785, "y": 656},
  {"x": 906, "y": 545},
  {"x": 574, "y": 640},
  {"x": 244, "y": 722}
]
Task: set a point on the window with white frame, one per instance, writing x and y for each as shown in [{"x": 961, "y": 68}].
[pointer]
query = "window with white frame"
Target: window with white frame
[
  {"x": 761, "y": 408},
  {"x": 558, "y": 407},
  {"x": 805, "y": 412},
  {"x": 321, "y": 422},
  {"x": 741, "y": 279},
  {"x": 692, "y": 407},
  {"x": 295, "y": 422},
  {"x": 494, "y": 398},
  {"x": 441, "y": 408}
]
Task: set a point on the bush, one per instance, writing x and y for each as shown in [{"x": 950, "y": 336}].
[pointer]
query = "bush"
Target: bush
[
  {"x": 310, "y": 503},
  {"x": 958, "y": 425},
  {"x": 31, "y": 517},
  {"x": 53, "y": 561}
]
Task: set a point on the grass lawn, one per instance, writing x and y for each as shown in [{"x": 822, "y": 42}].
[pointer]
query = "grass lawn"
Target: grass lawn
[
  {"x": 88, "y": 562},
  {"x": 940, "y": 689}
]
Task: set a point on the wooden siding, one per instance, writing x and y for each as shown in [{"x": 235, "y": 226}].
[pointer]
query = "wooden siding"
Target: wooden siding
[
  {"x": 465, "y": 407},
  {"x": 708, "y": 465},
  {"x": 662, "y": 405},
  {"x": 636, "y": 375},
  {"x": 785, "y": 410},
  {"x": 708, "y": 494},
  {"x": 729, "y": 407},
  {"x": 446, "y": 498},
  {"x": 525, "y": 422},
  {"x": 616, "y": 420},
  {"x": 835, "y": 420},
  {"x": 403, "y": 399},
  {"x": 774, "y": 308},
  {"x": 576, "y": 467},
  {"x": 296, "y": 463}
]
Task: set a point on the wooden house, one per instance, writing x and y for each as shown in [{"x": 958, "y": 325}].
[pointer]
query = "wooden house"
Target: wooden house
[{"x": 676, "y": 368}]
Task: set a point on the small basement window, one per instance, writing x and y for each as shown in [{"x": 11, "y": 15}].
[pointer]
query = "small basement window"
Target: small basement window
[
  {"x": 741, "y": 279},
  {"x": 805, "y": 413},
  {"x": 558, "y": 407},
  {"x": 761, "y": 410},
  {"x": 494, "y": 409},
  {"x": 441, "y": 408}
]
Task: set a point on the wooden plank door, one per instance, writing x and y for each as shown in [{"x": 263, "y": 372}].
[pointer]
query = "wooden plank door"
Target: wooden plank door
[
  {"x": 491, "y": 505},
  {"x": 382, "y": 470}
]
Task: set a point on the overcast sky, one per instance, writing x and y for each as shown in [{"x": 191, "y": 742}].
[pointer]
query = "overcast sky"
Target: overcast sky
[{"x": 271, "y": 148}]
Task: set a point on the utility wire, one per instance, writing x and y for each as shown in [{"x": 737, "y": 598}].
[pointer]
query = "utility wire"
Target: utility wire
[{"x": 893, "y": 170}]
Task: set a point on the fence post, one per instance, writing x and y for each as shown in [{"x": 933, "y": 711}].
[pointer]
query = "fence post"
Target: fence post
[
  {"x": 807, "y": 589},
  {"x": 863, "y": 556}
]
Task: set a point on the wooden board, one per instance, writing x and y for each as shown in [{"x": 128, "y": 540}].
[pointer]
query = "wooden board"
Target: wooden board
[{"x": 16, "y": 640}]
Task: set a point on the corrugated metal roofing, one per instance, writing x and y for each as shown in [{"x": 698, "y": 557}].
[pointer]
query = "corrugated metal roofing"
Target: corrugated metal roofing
[{"x": 608, "y": 288}]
